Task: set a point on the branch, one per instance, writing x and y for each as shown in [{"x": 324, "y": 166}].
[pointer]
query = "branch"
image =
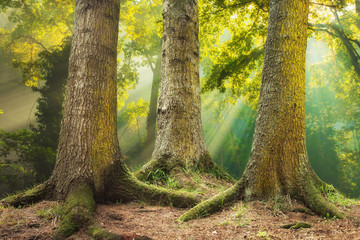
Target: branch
[
  {"x": 325, "y": 5},
  {"x": 28, "y": 37}
]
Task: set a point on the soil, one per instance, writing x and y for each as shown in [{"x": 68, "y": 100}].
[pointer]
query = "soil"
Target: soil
[{"x": 253, "y": 220}]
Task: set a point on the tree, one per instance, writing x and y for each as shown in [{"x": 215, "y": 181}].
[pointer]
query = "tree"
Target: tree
[
  {"x": 89, "y": 165},
  {"x": 142, "y": 26},
  {"x": 278, "y": 164},
  {"x": 180, "y": 139}
]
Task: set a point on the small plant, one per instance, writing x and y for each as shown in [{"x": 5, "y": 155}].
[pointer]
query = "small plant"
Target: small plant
[
  {"x": 241, "y": 210},
  {"x": 339, "y": 199},
  {"x": 159, "y": 177},
  {"x": 327, "y": 217},
  {"x": 52, "y": 213},
  {"x": 263, "y": 234}
]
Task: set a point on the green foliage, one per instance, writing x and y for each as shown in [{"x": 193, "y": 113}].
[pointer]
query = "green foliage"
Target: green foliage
[
  {"x": 33, "y": 26},
  {"x": 161, "y": 178},
  {"x": 37, "y": 161},
  {"x": 52, "y": 213},
  {"x": 232, "y": 49},
  {"x": 35, "y": 150},
  {"x": 135, "y": 111}
]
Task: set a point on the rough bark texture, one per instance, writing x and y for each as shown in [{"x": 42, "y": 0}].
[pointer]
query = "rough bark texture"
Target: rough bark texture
[
  {"x": 89, "y": 167},
  {"x": 278, "y": 164},
  {"x": 279, "y": 158},
  {"x": 180, "y": 138},
  {"x": 88, "y": 141}
]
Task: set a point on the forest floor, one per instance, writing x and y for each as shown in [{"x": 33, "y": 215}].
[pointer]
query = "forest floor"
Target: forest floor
[{"x": 252, "y": 220}]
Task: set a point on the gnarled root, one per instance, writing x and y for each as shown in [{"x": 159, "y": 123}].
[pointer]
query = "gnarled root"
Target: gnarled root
[
  {"x": 213, "y": 204},
  {"x": 33, "y": 195},
  {"x": 311, "y": 196},
  {"x": 78, "y": 211},
  {"x": 318, "y": 204},
  {"x": 137, "y": 190}
]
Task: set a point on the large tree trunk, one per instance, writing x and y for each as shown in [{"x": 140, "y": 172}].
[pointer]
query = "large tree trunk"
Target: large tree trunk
[
  {"x": 279, "y": 158},
  {"x": 278, "y": 164},
  {"x": 89, "y": 168},
  {"x": 88, "y": 138},
  {"x": 180, "y": 138}
]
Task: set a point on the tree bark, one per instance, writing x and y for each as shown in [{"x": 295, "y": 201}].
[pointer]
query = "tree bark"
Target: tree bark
[
  {"x": 279, "y": 164},
  {"x": 89, "y": 165},
  {"x": 88, "y": 143},
  {"x": 279, "y": 158},
  {"x": 180, "y": 138}
]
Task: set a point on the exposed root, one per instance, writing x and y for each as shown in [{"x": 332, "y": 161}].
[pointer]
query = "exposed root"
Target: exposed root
[
  {"x": 296, "y": 225},
  {"x": 176, "y": 168},
  {"x": 99, "y": 233},
  {"x": 213, "y": 204},
  {"x": 30, "y": 196},
  {"x": 78, "y": 211},
  {"x": 311, "y": 197},
  {"x": 317, "y": 203},
  {"x": 137, "y": 190}
]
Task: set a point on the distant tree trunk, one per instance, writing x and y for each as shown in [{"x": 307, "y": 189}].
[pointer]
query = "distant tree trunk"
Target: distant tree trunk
[
  {"x": 89, "y": 167},
  {"x": 279, "y": 164},
  {"x": 180, "y": 138},
  {"x": 152, "y": 116},
  {"x": 357, "y": 7}
]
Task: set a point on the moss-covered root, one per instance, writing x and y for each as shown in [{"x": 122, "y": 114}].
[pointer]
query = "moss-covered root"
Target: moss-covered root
[
  {"x": 78, "y": 211},
  {"x": 99, "y": 233},
  {"x": 30, "y": 196},
  {"x": 213, "y": 204},
  {"x": 124, "y": 186},
  {"x": 131, "y": 188},
  {"x": 317, "y": 203}
]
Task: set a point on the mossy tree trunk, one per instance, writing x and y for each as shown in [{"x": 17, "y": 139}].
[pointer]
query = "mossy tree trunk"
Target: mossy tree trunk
[
  {"x": 279, "y": 164},
  {"x": 180, "y": 138},
  {"x": 88, "y": 143},
  {"x": 89, "y": 166}
]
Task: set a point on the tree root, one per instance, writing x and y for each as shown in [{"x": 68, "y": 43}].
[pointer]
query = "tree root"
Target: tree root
[
  {"x": 137, "y": 190},
  {"x": 311, "y": 197},
  {"x": 318, "y": 204},
  {"x": 30, "y": 196},
  {"x": 213, "y": 204},
  {"x": 204, "y": 165},
  {"x": 99, "y": 233},
  {"x": 78, "y": 211}
]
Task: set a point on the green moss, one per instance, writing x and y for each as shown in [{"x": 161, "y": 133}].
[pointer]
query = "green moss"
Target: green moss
[
  {"x": 317, "y": 203},
  {"x": 296, "y": 225},
  {"x": 30, "y": 196},
  {"x": 78, "y": 211},
  {"x": 213, "y": 204},
  {"x": 99, "y": 233},
  {"x": 126, "y": 187}
]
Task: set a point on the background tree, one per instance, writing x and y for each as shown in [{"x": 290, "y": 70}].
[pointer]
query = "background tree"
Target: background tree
[
  {"x": 89, "y": 167},
  {"x": 180, "y": 139},
  {"x": 278, "y": 164},
  {"x": 142, "y": 23}
]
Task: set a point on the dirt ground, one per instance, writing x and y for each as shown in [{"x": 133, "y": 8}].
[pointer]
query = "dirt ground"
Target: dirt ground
[{"x": 253, "y": 220}]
